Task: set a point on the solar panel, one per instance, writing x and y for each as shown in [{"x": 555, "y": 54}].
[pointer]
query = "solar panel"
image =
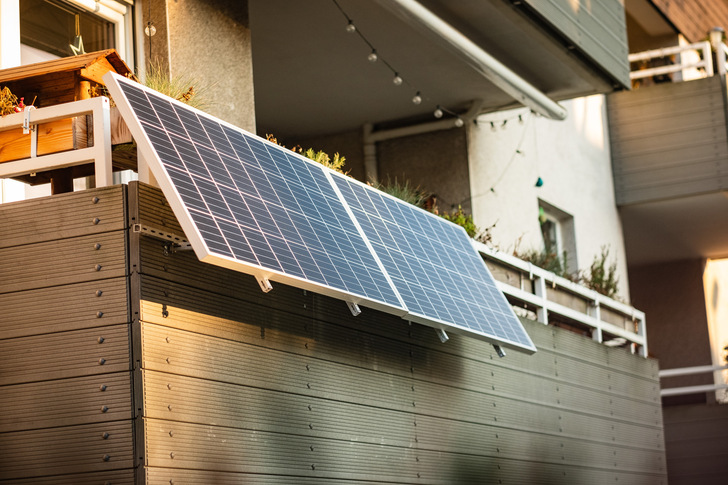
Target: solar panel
[
  {"x": 251, "y": 205},
  {"x": 255, "y": 207},
  {"x": 442, "y": 279}
]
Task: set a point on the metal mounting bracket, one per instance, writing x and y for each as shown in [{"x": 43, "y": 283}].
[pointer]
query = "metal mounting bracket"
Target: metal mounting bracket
[
  {"x": 354, "y": 308},
  {"x": 179, "y": 243},
  {"x": 264, "y": 284},
  {"x": 443, "y": 336},
  {"x": 498, "y": 350},
  {"x": 27, "y": 127}
]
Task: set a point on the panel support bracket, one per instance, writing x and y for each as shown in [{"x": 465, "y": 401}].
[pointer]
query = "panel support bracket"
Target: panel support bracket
[
  {"x": 354, "y": 308},
  {"x": 443, "y": 336},
  {"x": 179, "y": 243},
  {"x": 498, "y": 350},
  {"x": 264, "y": 284}
]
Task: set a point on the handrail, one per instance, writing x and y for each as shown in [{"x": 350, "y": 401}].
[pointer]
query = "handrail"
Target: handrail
[
  {"x": 99, "y": 153},
  {"x": 538, "y": 298},
  {"x": 686, "y": 371},
  {"x": 706, "y": 62}
]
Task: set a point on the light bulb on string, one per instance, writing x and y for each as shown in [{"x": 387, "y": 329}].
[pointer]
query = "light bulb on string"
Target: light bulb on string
[
  {"x": 350, "y": 27},
  {"x": 150, "y": 29},
  {"x": 492, "y": 126},
  {"x": 438, "y": 112},
  {"x": 417, "y": 98},
  {"x": 459, "y": 122},
  {"x": 397, "y": 81},
  {"x": 372, "y": 57}
]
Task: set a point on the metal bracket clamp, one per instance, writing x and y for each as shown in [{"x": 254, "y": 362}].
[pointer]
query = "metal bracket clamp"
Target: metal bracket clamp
[
  {"x": 442, "y": 335},
  {"x": 354, "y": 308},
  {"x": 179, "y": 243},
  {"x": 27, "y": 127},
  {"x": 498, "y": 350},
  {"x": 264, "y": 284}
]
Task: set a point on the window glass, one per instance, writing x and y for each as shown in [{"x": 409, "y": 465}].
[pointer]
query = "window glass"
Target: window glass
[{"x": 50, "y": 26}]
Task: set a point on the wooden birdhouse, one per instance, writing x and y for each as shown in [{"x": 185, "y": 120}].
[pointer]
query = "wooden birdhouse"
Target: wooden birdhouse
[{"x": 50, "y": 84}]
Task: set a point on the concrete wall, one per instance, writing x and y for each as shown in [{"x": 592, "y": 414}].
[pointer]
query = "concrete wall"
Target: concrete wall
[
  {"x": 208, "y": 41},
  {"x": 573, "y": 159},
  {"x": 696, "y": 445},
  {"x": 672, "y": 296},
  {"x": 437, "y": 162}
]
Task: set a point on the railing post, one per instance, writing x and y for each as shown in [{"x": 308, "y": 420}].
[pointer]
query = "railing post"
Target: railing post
[
  {"x": 720, "y": 59},
  {"x": 708, "y": 58},
  {"x": 542, "y": 314},
  {"x": 597, "y": 331},
  {"x": 102, "y": 143}
]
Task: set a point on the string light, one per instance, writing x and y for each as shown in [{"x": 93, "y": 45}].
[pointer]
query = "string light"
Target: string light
[
  {"x": 518, "y": 151},
  {"x": 397, "y": 79}
]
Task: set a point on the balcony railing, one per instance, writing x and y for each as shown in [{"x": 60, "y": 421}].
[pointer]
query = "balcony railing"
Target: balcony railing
[
  {"x": 687, "y": 371},
  {"x": 676, "y": 59},
  {"x": 558, "y": 300}
]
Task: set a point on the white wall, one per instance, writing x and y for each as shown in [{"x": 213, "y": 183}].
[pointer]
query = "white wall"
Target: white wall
[
  {"x": 715, "y": 280},
  {"x": 572, "y": 157}
]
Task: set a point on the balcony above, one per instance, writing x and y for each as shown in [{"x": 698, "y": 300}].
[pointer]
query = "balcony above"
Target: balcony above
[
  {"x": 313, "y": 78},
  {"x": 669, "y": 143}
]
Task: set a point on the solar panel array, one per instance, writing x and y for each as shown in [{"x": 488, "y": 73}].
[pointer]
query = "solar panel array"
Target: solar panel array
[
  {"x": 433, "y": 265},
  {"x": 255, "y": 207}
]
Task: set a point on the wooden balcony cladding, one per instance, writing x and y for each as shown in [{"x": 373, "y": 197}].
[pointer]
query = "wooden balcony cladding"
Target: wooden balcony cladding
[
  {"x": 597, "y": 28},
  {"x": 669, "y": 140},
  {"x": 288, "y": 387},
  {"x": 65, "y": 374}
]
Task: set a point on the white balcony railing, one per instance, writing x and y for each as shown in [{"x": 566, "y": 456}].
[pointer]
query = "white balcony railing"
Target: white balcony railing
[
  {"x": 676, "y": 59},
  {"x": 611, "y": 322},
  {"x": 687, "y": 371},
  {"x": 99, "y": 153}
]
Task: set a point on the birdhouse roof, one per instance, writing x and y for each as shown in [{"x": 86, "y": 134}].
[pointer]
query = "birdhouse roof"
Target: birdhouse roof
[{"x": 91, "y": 66}]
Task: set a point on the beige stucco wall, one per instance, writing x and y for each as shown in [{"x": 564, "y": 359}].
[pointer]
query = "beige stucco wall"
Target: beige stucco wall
[
  {"x": 573, "y": 159},
  {"x": 715, "y": 280}
]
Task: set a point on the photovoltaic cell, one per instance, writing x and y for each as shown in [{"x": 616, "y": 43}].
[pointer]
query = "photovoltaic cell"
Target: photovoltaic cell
[
  {"x": 442, "y": 279},
  {"x": 256, "y": 206}
]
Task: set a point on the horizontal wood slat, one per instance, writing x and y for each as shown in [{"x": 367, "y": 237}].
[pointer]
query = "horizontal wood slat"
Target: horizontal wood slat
[
  {"x": 62, "y": 216},
  {"x": 116, "y": 477},
  {"x": 66, "y": 450},
  {"x": 64, "y": 261},
  {"x": 669, "y": 140},
  {"x": 63, "y": 308},
  {"x": 65, "y": 402},
  {"x": 76, "y": 353}
]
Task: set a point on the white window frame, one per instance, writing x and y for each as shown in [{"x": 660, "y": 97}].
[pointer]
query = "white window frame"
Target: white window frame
[
  {"x": 548, "y": 216},
  {"x": 118, "y": 13}
]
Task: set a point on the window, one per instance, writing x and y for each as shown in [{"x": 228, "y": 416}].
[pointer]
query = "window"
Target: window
[
  {"x": 557, "y": 231},
  {"x": 49, "y": 27}
]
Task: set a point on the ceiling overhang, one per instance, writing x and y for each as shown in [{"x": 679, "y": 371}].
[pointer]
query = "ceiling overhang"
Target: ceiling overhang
[{"x": 313, "y": 78}]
